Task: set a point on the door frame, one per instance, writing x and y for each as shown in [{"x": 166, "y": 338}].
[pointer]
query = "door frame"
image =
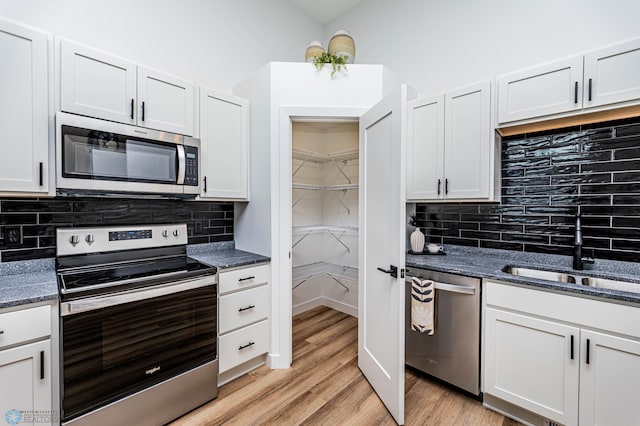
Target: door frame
[{"x": 281, "y": 354}]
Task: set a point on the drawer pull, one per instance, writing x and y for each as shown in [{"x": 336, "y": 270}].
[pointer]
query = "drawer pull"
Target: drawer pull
[
  {"x": 246, "y": 278},
  {"x": 1, "y": 331},
  {"x": 246, "y": 308},
  {"x": 246, "y": 346}
]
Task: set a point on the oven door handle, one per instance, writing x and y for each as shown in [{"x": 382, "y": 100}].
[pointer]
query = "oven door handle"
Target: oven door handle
[
  {"x": 182, "y": 165},
  {"x": 92, "y": 303},
  {"x": 452, "y": 288}
]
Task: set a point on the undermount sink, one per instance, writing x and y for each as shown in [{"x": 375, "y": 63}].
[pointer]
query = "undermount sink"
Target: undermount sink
[
  {"x": 611, "y": 284},
  {"x": 578, "y": 279},
  {"x": 539, "y": 274}
]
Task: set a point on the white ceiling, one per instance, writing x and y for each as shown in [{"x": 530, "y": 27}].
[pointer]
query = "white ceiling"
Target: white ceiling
[{"x": 325, "y": 11}]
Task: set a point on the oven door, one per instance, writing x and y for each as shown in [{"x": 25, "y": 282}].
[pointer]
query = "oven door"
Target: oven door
[
  {"x": 100, "y": 156},
  {"x": 116, "y": 345}
]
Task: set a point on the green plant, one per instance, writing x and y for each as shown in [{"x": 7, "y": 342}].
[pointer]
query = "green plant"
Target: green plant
[{"x": 337, "y": 62}]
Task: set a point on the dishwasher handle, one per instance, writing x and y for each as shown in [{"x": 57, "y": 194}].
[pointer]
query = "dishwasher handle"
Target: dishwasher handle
[{"x": 453, "y": 288}]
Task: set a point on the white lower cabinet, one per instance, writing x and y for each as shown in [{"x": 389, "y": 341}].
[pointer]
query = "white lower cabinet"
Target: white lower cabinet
[
  {"x": 609, "y": 379},
  {"x": 243, "y": 324},
  {"x": 541, "y": 353},
  {"x": 25, "y": 369},
  {"x": 528, "y": 363}
]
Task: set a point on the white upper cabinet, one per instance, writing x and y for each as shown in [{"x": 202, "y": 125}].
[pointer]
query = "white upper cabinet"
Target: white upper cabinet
[
  {"x": 548, "y": 89},
  {"x": 96, "y": 84},
  {"x": 165, "y": 102},
  {"x": 224, "y": 133},
  {"x": 601, "y": 79},
  {"x": 468, "y": 142},
  {"x": 24, "y": 109},
  {"x": 425, "y": 151},
  {"x": 450, "y": 152},
  {"x": 100, "y": 85},
  {"x": 612, "y": 75}
]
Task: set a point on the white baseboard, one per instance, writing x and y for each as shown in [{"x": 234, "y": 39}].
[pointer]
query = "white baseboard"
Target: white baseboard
[
  {"x": 325, "y": 301},
  {"x": 276, "y": 362}
]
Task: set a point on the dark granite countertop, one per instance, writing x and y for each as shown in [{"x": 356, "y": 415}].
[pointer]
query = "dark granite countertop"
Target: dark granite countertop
[
  {"x": 224, "y": 255},
  {"x": 27, "y": 282},
  {"x": 488, "y": 263}
]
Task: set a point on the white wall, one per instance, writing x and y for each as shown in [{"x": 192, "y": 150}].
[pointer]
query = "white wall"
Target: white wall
[
  {"x": 215, "y": 43},
  {"x": 436, "y": 45}
]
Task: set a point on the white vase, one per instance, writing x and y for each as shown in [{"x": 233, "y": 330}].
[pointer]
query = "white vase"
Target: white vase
[{"x": 417, "y": 241}]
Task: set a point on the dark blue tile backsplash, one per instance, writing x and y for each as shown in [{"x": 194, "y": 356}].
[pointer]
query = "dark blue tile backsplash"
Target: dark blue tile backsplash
[
  {"x": 37, "y": 220},
  {"x": 545, "y": 176}
]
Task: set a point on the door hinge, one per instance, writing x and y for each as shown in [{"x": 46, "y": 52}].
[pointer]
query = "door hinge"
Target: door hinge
[{"x": 401, "y": 272}]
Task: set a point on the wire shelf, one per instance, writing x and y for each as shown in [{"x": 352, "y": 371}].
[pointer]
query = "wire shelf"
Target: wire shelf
[{"x": 339, "y": 273}]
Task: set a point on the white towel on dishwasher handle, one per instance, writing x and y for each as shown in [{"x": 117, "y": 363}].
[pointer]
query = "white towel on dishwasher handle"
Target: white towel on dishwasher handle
[{"x": 422, "y": 305}]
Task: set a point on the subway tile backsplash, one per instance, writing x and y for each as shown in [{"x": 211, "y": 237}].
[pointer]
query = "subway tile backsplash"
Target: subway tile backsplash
[
  {"x": 545, "y": 176},
  {"x": 37, "y": 220}
]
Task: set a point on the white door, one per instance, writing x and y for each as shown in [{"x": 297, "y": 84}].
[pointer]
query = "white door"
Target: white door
[
  {"x": 97, "y": 84},
  {"x": 468, "y": 139},
  {"x": 224, "y": 134},
  {"x": 609, "y": 380},
  {"x": 611, "y": 75},
  {"x": 165, "y": 102},
  {"x": 547, "y": 89},
  {"x": 24, "y": 109},
  {"x": 382, "y": 245},
  {"x": 425, "y": 149},
  {"x": 532, "y": 363}
]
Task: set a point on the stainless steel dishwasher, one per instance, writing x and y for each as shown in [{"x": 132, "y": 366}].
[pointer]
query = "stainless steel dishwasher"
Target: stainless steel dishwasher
[{"x": 452, "y": 354}]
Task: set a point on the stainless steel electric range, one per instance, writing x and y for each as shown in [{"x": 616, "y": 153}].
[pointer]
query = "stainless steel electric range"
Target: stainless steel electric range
[{"x": 138, "y": 325}]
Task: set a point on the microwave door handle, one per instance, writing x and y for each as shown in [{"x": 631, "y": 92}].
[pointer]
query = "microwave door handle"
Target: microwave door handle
[{"x": 182, "y": 165}]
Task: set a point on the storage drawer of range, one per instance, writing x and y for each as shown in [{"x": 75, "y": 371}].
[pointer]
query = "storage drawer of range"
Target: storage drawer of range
[
  {"x": 243, "y": 308},
  {"x": 242, "y": 345},
  {"x": 24, "y": 325},
  {"x": 243, "y": 278}
]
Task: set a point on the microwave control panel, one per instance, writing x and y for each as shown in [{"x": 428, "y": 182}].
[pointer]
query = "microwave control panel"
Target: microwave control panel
[{"x": 191, "y": 172}]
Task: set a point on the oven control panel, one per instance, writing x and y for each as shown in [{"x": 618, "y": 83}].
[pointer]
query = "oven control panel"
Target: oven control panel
[
  {"x": 130, "y": 235},
  {"x": 71, "y": 241}
]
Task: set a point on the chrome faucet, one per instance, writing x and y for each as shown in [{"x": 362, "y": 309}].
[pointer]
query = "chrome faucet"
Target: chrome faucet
[{"x": 578, "y": 260}]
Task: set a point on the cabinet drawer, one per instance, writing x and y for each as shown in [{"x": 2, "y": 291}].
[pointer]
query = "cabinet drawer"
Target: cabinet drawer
[
  {"x": 24, "y": 325},
  {"x": 243, "y": 278},
  {"x": 242, "y": 308},
  {"x": 244, "y": 344}
]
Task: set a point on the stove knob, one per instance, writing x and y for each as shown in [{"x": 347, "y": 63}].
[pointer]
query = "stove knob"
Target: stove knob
[
  {"x": 176, "y": 233},
  {"x": 90, "y": 238},
  {"x": 165, "y": 233},
  {"x": 74, "y": 239}
]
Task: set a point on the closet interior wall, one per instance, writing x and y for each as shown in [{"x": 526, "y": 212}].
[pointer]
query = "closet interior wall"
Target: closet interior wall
[{"x": 325, "y": 216}]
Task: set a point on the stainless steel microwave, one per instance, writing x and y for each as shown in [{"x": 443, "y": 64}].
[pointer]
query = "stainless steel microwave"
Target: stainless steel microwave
[{"x": 97, "y": 157}]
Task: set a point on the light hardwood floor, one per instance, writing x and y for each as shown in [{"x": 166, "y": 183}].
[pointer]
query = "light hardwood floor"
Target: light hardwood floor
[{"x": 325, "y": 387}]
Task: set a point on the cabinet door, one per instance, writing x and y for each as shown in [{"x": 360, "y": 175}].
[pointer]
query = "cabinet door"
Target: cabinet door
[
  {"x": 165, "y": 102},
  {"x": 25, "y": 374},
  {"x": 548, "y": 89},
  {"x": 610, "y": 381},
  {"x": 224, "y": 133},
  {"x": 24, "y": 109},
  {"x": 528, "y": 362},
  {"x": 611, "y": 75},
  {"x": 468, "y": 139},
  {"x": 96, "y": 84},
  {"x": 425, "y": 149}
]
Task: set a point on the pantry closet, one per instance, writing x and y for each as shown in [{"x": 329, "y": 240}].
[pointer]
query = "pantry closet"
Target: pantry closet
[{"x": 324, "y": 164}]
